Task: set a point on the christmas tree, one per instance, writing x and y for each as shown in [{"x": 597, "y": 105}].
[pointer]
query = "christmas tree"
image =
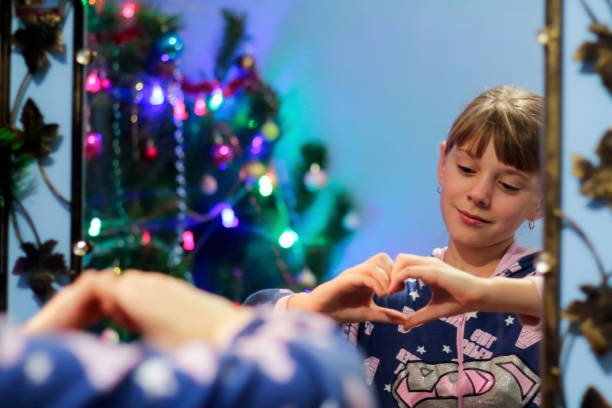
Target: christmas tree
[{"x": 180, "y": 174}]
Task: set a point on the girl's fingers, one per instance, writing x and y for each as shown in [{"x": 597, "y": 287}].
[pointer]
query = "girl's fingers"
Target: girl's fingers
[
  {"x": 427, "y": 273},
  {"x": 405, "y": 260},
  {"x": 380, "y": 274},
  {"x": 385, "y": 315},
  {"x": 76, "y": 306},
  {"x": 383, "y": 260},
  {"x": 375, "y": 272},
  {"x": 368, "y": 281},
  {"x": 424, "y": 315}
]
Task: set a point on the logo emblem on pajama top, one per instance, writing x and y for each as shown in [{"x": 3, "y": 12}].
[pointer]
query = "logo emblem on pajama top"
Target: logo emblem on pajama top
[{"x": 501, "y": 381}]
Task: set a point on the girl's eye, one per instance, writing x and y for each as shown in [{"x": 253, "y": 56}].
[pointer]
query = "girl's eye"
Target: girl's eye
[
  {"x": 509, "y": 187},
  {"x": 466, "y": 170}
]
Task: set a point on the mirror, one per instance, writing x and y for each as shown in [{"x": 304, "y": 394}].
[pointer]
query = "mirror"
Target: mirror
[{"x": 346, "y": 137}]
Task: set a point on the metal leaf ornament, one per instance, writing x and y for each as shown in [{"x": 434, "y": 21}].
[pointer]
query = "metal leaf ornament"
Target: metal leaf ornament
[
  {"x": 597, "y": 56},
  {"x": 40, "y": 36},
  {"x": 38, "y": 138},
  {"x": 40, "y": 266},
  {"x": 596, "y": 181},
  {"x": 594, "y": 315},
  {"x": 593, "y": 399}
]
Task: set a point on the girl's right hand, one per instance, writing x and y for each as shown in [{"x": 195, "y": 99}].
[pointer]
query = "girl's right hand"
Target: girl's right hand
[{"x": 348, "y": 298}]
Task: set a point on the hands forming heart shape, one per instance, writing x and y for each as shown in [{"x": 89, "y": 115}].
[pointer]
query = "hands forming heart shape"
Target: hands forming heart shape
[{"x": 349, "y": 297}]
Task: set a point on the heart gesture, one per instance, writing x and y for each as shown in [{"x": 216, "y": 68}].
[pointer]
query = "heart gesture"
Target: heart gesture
[
  {"x": 453, "y": 291},
  {"x": 349, "y": 297}
]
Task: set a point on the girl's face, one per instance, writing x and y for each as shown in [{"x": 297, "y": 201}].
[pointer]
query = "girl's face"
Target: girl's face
[{"x": 483, "y": 200}]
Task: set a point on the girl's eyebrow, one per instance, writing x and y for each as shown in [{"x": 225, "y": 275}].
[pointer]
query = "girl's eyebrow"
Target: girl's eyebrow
[
  {"x": 468, "y": 152},
  {"x": 513, "y": 172},
  {"x": 507, "y": 170}
]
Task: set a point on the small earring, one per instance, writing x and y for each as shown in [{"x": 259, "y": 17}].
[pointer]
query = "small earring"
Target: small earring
[
  {"x": 531, "y": 225},
  {"x": 439, "y": 189}
]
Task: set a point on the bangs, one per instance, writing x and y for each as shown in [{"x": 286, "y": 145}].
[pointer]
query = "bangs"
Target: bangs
[{"x": 515, "y": 138}]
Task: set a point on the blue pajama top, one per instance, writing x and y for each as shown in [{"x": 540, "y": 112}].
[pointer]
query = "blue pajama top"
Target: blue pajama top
[
  {"x": 475, "y": 359},
  {"x": 277, "y": 360}
]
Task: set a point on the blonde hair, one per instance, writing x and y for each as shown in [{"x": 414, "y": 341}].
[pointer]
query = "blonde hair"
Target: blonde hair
[{"x": 512, "y": 117}]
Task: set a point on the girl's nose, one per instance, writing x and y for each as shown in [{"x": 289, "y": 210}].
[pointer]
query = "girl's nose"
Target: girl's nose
[{"x": 480, "y": 193}]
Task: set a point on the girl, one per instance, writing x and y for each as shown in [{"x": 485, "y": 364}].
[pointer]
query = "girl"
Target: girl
[{"x": 432, "y": 328}]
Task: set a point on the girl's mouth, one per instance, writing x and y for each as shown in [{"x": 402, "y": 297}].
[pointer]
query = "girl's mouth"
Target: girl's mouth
[{"x": 471, "y": 219}]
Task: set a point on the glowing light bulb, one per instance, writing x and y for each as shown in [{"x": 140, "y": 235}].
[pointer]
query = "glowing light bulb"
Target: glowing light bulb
[
  {"x": 146, "y": 237},
  {"x": 257, "y": 144},
  {"x": 200, "y": 107},
  {"x": 157, "y": 95},
  {"x": 93, "y": 145},
  {"x": 228, "y": 218},
  {"x": 257, "y": 141},
  {"x": 92, "y": 138},
  {"x": 93, "y": 83},
  {"x": 216, "y": 100},
  {"x": 265, "y": 186},
  {"x": 188, "y": 242},
  {"x": 179, "y": 111},
  {"x": 270, "y": 130},
  {"x": 288, "y": 238},
  {"x": 150, "y": 151},
  {"x": 94, "y": 227},
  {"x": 128, "y": 10}
]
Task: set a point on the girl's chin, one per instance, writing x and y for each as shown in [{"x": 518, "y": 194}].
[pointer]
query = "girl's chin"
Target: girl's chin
[{"x": 481, "y": 241}]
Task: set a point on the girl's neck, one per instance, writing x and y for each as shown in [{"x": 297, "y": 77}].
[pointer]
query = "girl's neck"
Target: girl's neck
[{"x": 476, "y": 261}]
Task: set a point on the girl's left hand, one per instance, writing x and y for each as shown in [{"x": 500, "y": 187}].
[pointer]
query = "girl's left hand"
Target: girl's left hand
[
  {"x": 454, "y": 291},
  {"x": 79, "y": 305}
]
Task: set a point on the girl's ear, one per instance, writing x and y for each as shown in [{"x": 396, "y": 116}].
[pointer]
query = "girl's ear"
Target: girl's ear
[
  {"x": 538, "y": 212},
  {"x": 441, "y": 163}
]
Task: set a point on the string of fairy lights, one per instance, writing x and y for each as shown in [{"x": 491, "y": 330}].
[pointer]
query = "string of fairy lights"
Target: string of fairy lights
[{"x": 150, "y": 93}]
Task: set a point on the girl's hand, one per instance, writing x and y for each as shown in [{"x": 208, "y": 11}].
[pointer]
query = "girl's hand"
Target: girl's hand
[
  {"x": 164, "y": 310},
  {"x": 454, "y": 291},
  {"x": 79, "y": 305},
  {"x": 348, "y": 297},
  {"x": 170, "y": 311}
]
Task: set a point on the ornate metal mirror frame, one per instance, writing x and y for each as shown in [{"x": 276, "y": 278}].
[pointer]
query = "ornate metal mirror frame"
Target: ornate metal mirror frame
[
  {"x": 552, "y": 37},
  {"x": 77, "y": 134}
]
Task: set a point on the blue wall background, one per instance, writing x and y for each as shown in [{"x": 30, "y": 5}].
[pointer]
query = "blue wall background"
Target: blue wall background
[
  {"x": 586, "y": 117},
  {"x": 380, "y": 84}
]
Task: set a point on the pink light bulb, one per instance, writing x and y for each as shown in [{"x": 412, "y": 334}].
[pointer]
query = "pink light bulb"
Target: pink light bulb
[
  {"x": 200, "y": 107},
  {"x": 129, "y": 9},
  {"x": 93, "y": 83},
  {"x": 179, "y": 111},
  {"x": 188, "y": 243}
]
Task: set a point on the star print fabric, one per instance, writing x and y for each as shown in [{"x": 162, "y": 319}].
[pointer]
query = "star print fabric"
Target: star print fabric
[
  {"x": 277, "y": 360},
  {"x": 497, "y": 363}
]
